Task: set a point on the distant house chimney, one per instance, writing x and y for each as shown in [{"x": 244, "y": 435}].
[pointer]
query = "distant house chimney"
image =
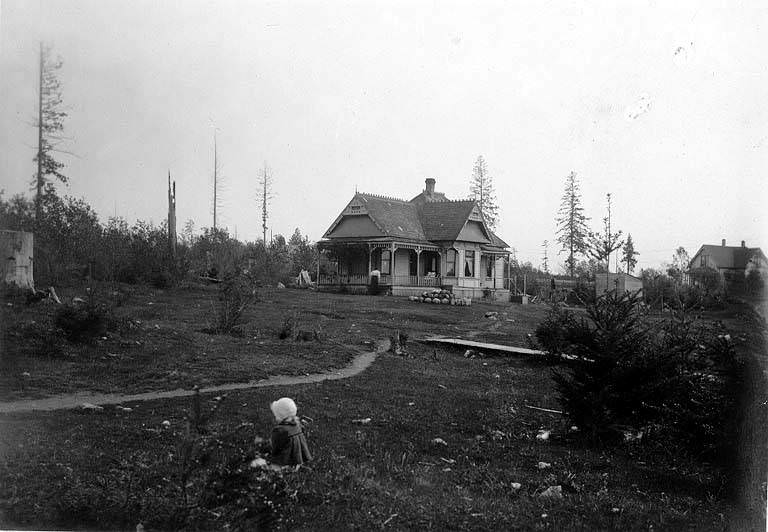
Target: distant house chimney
[
  {"x": 723, "y": 243},
  {"x": 743, "y": 244},
  {"x": 430, "y": 185}
]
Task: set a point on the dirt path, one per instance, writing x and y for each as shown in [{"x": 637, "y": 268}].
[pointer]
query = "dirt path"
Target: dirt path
[{"x": 60, "y": 402}]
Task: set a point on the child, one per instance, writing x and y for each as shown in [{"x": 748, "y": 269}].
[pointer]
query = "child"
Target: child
[{"x": 289, "y": 445}]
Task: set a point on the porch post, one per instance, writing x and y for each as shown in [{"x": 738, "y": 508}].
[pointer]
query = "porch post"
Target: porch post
[
  {"x": 418, "y": 275},
  {"x": 370, "y": 252},
  {"x": 392, "y": 267}
]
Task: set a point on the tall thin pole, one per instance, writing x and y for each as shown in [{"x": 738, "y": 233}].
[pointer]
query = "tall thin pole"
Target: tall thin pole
[
  {"x": 171, "y": 217},
  {"x": 264, "y": 207},
  {"x": 610, "y": 240},
  {"x": 215, "y": 180},
  {"x": 38, "y": 197}
]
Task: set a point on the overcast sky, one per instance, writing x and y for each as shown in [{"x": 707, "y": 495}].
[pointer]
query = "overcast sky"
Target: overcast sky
[{"x": 665, "y": 105}]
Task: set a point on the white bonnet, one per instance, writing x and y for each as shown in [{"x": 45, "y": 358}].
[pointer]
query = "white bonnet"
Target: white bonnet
[{"x": 283, "y": 408}]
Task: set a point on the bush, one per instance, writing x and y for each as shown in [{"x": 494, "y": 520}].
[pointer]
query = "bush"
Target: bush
[
  {"x": 236, "y": 294},
  {"x": 676, "y": 380},
  {"x": 552, "y": 333},
  {"x": 84, "y": 322}
]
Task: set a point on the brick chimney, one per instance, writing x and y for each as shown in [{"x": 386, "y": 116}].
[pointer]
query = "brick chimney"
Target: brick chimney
[
  {"x": 723, "y": 244},
  {"x": 430, "y": 186}
]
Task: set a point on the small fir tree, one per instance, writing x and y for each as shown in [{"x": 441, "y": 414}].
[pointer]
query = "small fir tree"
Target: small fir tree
[{"x": 629, "y": 254}]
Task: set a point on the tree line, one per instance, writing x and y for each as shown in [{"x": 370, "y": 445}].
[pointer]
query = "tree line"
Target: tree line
[{"x": 71, "y": 243}]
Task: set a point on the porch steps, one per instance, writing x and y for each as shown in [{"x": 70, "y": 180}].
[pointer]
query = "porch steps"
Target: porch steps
[{"x": 480, "y": 345}]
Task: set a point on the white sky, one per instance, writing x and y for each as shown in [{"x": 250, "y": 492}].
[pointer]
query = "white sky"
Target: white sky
[{"x": 664, "y": 105}]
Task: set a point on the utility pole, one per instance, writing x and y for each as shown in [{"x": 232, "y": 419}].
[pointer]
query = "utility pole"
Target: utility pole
[{"x": 546, "y": 267}]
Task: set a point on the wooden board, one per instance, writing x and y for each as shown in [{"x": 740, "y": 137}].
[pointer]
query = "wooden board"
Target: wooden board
[{"x": 482, "y": 346}]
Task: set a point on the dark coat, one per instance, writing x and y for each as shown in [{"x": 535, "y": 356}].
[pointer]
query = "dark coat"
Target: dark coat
[{"x": 289, "y": 445}]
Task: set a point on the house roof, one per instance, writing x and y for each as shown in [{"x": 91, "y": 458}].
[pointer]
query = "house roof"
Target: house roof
[
  {"x": 427, "y": 197},
  {"x": 444, "y": 220},
  {"x": 396, "y": 217},
  {"x": 736, "y": 257},
  {"x": 427, "y": 218},
  {"x": 496, "y": 241}
]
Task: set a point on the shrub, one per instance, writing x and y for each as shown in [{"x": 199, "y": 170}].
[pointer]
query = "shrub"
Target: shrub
[
  {"x": 236, "y": 294},
  {"x": 82, "y": 322},
  {"x": 552, "y": 333},
  {"x": 676, "y": 379}
]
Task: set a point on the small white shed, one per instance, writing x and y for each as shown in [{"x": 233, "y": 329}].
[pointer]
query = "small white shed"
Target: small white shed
[{"x": 621, "y": 282}]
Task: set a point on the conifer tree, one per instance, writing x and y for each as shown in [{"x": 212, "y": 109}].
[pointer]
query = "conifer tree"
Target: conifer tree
[
  {"x": 572, "y": 228},
  {"x": 481, "y": 188},
  {"x": 50, "y": 124},
  {"x": 629, "y": 254}
]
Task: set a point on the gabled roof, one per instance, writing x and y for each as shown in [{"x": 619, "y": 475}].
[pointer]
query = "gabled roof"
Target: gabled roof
[
  {"x": 735, "y": 257},
  {"x": 444, "y": 220},
  {"x": 395, "y": 217},
  {"x": 496, "y": 241},
  {"x": 427, "y": 197},
  {"x": 427, "y": 218}
]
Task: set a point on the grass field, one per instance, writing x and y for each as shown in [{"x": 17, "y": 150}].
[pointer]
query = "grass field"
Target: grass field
[
  {"x": 113, "y": 468},
  {"x": 162, "y": 345}
]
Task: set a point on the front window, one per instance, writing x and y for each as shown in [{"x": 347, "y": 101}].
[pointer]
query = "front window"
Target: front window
[
  {"x": 386, "y": 262},
  {"x": 450, "y": 266},
  {"x": 489, "y": 267},
  {"x": 469, "y": 263}
]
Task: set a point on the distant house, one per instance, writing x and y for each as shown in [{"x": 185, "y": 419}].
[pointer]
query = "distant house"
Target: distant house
[
  {"x": 733, "y": 263},
  {"x": 621, "y": 282},
  {"x": 429, "y": 241}
]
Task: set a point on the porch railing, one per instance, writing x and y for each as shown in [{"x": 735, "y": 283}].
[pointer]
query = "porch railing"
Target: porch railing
[
  {"x": 343, "y": 279},
  {"x": 412, "y": 280},
  {"x": 384, "y": 279}
]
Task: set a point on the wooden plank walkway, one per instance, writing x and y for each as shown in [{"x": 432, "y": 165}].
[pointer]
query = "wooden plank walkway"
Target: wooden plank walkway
[{"x": 482, "y": 346}]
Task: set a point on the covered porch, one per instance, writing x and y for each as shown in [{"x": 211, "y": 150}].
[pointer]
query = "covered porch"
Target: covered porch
[
  {"x": 407, "y": 268},
  {"x": 399, "y": 264}
]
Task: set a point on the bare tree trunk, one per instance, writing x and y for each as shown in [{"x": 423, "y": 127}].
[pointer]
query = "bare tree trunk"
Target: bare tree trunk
[
  {"x": 215, "y": 180},
  {"x": 171, "y": 218},
  {"x": 38, "y": 196}
]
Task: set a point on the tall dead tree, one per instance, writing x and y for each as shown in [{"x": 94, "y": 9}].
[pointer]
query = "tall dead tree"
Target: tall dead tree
[
  {"x": 601, "y": 245},
  {"x": 171, "y": 217},
  {"x": 264, "y": 196},
  {"x": 216, "y": 183},
  {"x": 50, "y": 124}
]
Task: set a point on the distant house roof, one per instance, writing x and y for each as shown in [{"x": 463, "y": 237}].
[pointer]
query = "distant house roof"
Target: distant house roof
[
  {"x": 730, "y": 257},
  {"x": 429, "y": 217}
]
